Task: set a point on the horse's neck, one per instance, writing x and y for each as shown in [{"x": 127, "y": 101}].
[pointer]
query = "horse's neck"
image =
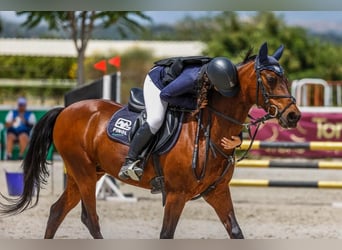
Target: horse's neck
[
  {"x": 248, "y": 84},
  {"x": 233, "y": 107},
  {"x": 236, "y": 107}
]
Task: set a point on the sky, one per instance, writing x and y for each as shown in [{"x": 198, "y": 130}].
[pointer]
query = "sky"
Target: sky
[{"x": 317, "y": 20}]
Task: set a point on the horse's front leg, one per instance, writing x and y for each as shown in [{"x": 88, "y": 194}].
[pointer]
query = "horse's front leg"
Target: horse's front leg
[
  {"x": 221, "y": 201},
  {"x": 174, "y": 205}
]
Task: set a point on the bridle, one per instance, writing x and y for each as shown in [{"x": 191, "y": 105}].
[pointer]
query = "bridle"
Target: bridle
[
  {"x": 271, "y": 109},
  {"x": 266, "y": 96}
]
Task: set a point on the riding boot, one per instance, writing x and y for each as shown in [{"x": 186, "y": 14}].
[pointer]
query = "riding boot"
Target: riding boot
[{"x": 130, "y": 169}]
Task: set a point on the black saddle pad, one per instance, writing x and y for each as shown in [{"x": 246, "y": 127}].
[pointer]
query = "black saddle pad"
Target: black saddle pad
[{"x": 125, "y": 122}]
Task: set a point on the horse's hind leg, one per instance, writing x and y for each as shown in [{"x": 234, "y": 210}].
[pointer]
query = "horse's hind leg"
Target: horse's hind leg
[
  {"x": 87, "y": 187},
  {"x": 61, "y": 207},
  {"x": 173, "y": 209},
  {"x": 221, "y": 201},
  {"x": 84, "y": 214},
  {"x": 84, "y": 190}
]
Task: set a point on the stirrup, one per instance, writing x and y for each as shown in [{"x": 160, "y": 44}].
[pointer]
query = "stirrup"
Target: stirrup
[
  {"x": 134, "y": 172},
  {"x": 123, "y": 173}
]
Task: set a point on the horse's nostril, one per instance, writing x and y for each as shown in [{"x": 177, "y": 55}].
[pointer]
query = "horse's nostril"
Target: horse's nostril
[{"x": 293, "y": 117}]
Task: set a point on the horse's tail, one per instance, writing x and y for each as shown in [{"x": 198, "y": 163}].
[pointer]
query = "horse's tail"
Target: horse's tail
[{"x": 34, "y": 165}]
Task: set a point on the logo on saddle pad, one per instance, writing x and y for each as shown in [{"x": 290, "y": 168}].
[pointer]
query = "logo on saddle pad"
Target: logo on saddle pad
[{"x": 121, "y": 126}]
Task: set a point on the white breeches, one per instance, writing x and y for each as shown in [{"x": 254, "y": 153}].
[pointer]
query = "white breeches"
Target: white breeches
[{"x": 155, "y": 107}]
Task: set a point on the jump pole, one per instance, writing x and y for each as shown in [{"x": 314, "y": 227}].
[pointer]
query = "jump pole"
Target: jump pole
[
  {"x": 284, "y": 183},
  {"x": 312, "y": 145},
  {"x": 289, "y": 164}
]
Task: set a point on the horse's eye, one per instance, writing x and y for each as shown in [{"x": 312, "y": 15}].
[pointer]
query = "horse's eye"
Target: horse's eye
[{"x": 271, "y": 80}]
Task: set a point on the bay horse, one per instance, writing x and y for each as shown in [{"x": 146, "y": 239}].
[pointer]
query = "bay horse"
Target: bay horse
[{"x": 79, "y": 135}]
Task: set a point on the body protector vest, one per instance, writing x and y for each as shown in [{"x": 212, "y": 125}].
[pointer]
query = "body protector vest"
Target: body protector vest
[{"x": 175, "y": 65}]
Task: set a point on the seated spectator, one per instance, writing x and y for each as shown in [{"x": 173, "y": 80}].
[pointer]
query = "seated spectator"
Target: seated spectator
[{"x": 19, "y": 123}]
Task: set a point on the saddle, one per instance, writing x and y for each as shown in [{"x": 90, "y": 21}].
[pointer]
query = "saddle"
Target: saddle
[{"x": 126, "y": 121}]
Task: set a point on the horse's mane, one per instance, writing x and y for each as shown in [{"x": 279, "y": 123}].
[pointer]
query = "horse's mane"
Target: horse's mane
[
  {"x": 202, "y": 93},
  {"x": 248, "y": 57},
  {"x": 205, "y": 86}
]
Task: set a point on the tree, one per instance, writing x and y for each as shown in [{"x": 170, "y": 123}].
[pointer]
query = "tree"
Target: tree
[
  {"x": 306, "y": 55},
  {"x": 79, "y": 25}
]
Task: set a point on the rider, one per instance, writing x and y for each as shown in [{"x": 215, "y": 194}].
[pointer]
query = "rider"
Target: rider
[{"x": 181, "y": 92}]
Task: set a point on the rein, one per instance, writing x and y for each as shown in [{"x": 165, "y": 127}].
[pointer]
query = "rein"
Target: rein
[
  {"x": 254, "y": 122},
  {"x": 215, "y": 148}
]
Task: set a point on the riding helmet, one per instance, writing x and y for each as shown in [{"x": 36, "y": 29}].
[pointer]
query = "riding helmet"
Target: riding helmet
[{"x": 223, "y": 75}]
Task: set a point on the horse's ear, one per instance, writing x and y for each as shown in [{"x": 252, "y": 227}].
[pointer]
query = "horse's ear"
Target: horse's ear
[
  {"x": 278, "y": 52},
  {"x": 263, "y": 52}
]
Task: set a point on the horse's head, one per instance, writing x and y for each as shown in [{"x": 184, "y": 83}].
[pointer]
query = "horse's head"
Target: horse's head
[{"x": 272, "y": 92}]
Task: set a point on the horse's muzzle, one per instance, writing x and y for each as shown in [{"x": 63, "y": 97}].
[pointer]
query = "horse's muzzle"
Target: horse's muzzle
[{"x": 290, "y": 119}]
